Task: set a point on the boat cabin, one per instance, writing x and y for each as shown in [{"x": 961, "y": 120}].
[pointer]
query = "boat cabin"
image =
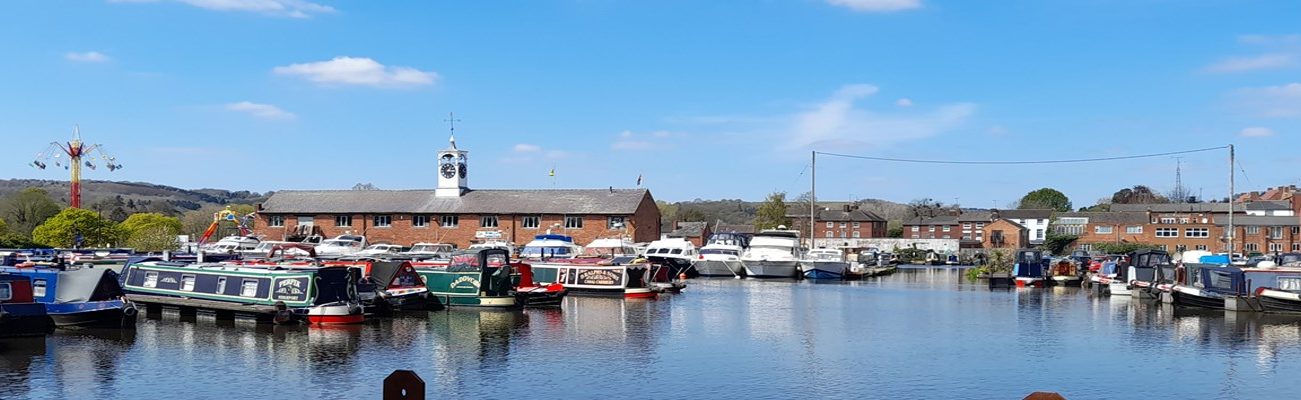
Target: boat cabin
[
  {"x": 550, "y": 246},
  {"x": 1030, "y": 263}
]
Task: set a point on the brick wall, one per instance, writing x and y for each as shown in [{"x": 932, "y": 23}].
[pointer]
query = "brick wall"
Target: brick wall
[{"x": 1013, "y": 235}]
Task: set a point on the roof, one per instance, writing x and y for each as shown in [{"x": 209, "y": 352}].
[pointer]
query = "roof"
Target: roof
[
  {"x": 1025, "y": 214},
  {"x": 745, "y": 229},
  {"x": 1134, "y": 218},
  {"x": 558, "y": 201},
  {"x": 689, "y": 229},
  {"x": 1178, "y": 207},
  {"x": 938, "y": 220},
  {"x": 838, "y": 214},
  {"x": 1269, "y": 205},
  {"x": 976, "y": 216},
  {"x": 1257, "y": 220},
  {"x": 1010, "y": 222}
]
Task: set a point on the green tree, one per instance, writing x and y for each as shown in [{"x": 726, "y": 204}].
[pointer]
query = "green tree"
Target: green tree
[
  {"x": 1057, "y": 243},
  {"x": 1121, "y": 248},
  {"x": 1139, "y": 194},
  {"x": 27, "y": 209},
  {"x": 1046, "y": 198},
  {"x": 62, "y": 229},
  {"x": 772, "y": 213},
  {"x": 668, "y": 212},
  {"x": 690, "y": 214},
  {"x": 925, "y": 208},
  {"x": 151, "y": 232},
  {"x": 4, "y": 228}
]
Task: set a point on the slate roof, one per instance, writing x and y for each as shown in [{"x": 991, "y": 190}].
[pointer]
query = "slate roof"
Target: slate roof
[
  {"x": 1269, "y": 205},
  {"x": 939, "y": 220},
  {"x": 1026, "y": 214},
  {"x": 1131, "y": 218},
  {"x": 689, "y": 229},
  {"x": 559, "y": 201},
  {"x": 838, "y": 214},
  {"x": 1257, "y": 220},
  {"x": 1178, "y": 207},
  {"x": 745, "y": 229}
]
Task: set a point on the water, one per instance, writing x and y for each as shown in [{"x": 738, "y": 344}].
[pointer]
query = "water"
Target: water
[{"x": 921, "y": 333}]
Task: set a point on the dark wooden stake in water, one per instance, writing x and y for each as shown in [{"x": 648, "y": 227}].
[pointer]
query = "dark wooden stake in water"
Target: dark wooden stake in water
[{"x": 404, "y": 384}]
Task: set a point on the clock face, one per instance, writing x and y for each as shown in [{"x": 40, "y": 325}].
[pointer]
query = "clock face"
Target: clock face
[
  {"x": 461, "y": 168},
  {"x": 448, "y": 170}
]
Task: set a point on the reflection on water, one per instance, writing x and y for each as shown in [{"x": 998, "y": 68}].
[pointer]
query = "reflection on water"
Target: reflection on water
[{"x": 920, "y": 333}]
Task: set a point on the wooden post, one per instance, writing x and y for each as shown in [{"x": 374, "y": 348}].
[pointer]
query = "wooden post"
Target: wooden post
[{"x": 404, "y": 384}]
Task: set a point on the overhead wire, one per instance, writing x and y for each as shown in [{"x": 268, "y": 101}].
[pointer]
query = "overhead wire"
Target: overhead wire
[{"x": 1067, "y": 161}]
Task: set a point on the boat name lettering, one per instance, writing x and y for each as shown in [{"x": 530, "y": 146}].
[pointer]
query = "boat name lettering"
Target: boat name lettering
[
  {"x": 599, "y": 277},
  {"x": 291, "y": 287},
  {"x": 168, "y": 279},
  {"x": 465, "y": 279}
]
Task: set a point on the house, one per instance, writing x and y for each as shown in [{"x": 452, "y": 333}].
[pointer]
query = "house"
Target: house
[
  {"x": 1005, "y": 233},
  {"x": 1035, "y": 221},
  {"x": 694, "y": 232},
  {"x": 837, "y": 227},
  {"x": 1104, "y": 227},
  {"x": 1263, "y": 234},
  {"x": 968, "y": 226},
  {"x": 454, "y": 213}
]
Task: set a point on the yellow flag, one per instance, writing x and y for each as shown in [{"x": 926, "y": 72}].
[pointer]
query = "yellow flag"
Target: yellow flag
[{"x": 553, "y": 172}]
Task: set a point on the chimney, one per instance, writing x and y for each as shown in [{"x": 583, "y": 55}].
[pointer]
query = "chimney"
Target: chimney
[
  {"x": 847, "y": 209},
  {"x": 993, "y": 214}
]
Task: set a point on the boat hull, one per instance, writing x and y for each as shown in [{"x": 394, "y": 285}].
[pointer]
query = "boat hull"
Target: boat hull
[
  {"x": 462, "y": 289},
  {"x": 333, "y": 314},
  {"x": 1037, "y": 282},
  {"x": 25, "y": 320},
  {"x": 1193, "y": 298},
  {"x": 824, "y": 269},
  {"x": 628, "y": 281},
  {"x": 541, "y": 296},
  {"x": 1277, "y": 301},
  {"x": 720, "y": 268},
  {"x": 771, "y": 269},
  {"x": 96, "y": 314}
]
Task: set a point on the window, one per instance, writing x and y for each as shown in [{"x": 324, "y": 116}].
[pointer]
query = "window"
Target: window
[
  {"x": 1169, "y": 220},
  {"x": 420, "y": 221},
  {"x": 1086, "y": 247},
  {"x": 151, "y": 279},
  {"x": 1200, "y": 247},
  {"x": 38, "y": 288},
  {"x": 449, "y": 221},
  {"x": 1275, "y": 247},
  {"x": 616, "y": 222},
  {"x": 1039, "y": 233},
  {"x": 187, "y": 283},
  {"x": 966, "y": 235},
  {"x": 915, "y": 236},
  {"x": 980, "y": 238},
  {"x": 844, "y": 225},
  {"x": 1070, "y": 229},
  {"x": 573, "y": 222},
  {"x": 6, "y": 291},
  {"x": 855, "y": 224},
  {"x": 830, "y": 234},
  {"x": 383, "y": 221},
  {"x": 856, "y": 235},
  {"x": 1183, "y": 220},
  {"x": 1134, "y": 230},
  {"x": 932, "y": 228},
  {"x": 980, "y": 225},
  {"x": 1251, "y": 247},
  {"x": 945, "y": 236},
  {"x": 1043, "y": 221},
  {"x": 1252, "y": 230},
  {"x": 530, "y": 222},
  {"x": 916, "y": 228},
  {"x": 996, "y": 237},
  {"x": 844, "y": 234},
  {"x": 831, "y": 224},
  {"x": 276, "y": 220},
  {"x": 966, "y": 225},
  {"x": 1296, "y": 246},
  {"x": 488, "y": 221},
  {"x": 221, "y": 285},
  {"x": 1275, "y": 232},
  {"x": 1102, "y": 230},
  {"x": 1162, "y": 247},
  {"x": 342, "y": 220},
  {"x": 1167, "y": 232},
  {"x": 306, "y": 220},
  {"x": 1296, "y": 230},
  {"x": 1181, "y": 248},
  {"x": 1197, "y": 232},
  {"x": 248, "y": 288},
  {"x": 946, "y": 228}
]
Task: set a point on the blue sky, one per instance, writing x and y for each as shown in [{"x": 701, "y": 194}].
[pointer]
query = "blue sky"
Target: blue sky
[{"x": 705, "y": 99}]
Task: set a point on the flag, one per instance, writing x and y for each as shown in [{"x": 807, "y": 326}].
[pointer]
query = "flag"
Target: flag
[
  {"x": 638, "y": 179},
  {"x": 553, "y": 172}
]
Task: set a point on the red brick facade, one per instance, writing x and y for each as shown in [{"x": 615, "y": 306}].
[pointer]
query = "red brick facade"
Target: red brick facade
[{"x": 1005, "y": 234}]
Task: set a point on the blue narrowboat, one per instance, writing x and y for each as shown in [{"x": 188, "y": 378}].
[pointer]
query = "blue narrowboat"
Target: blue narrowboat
[
  {"x": 318, "y": 295},
  {"x": 78, "y": 297},
  {"x": 1208, "y": 286},
  {"x": 1030, "y": 267},
  {"x": 20, "y": 314}
]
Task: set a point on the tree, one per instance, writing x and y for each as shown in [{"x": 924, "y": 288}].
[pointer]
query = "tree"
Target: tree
[
  {"x": 64, "y": 228},
  {"x": 151, "y": 232},
  {"x": 1139, "y": 194},
  {"x": 772, "y": 213},
  {"x": 27, "y": 209},
  {"x": 1045, "y": 198},
  {"x": 364, "y": 186},
  {"x": 690, "y": 214},
  {"x": 1121, "y": 247},
  {"x": 668, "y": 212},
  {"x": 1056, "y": 243},
  {"x": 925, "y": 208}
]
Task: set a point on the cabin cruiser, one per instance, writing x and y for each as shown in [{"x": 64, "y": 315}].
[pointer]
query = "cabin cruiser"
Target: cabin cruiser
[
  {"x": 341, "y": 245},
  {"x": 676, "y": 253},
  {"x": 773, "y": 253},
  {"x": 610, "y": 248},
  {"x": 380, "y": 250},
  {"x": 721, "y": 255},
  {"x": 1278, "y": 283},
  {"x": 266, "y": 246},
  {"x": 232, "y": 245},
  {"x": 824, "y": 264},
  {"x": 427, "y": 250},
  {"x": 549, "y": 246},
  {"x": 492, "y": 244}
]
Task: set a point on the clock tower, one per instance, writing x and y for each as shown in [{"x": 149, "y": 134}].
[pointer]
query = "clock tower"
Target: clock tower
[{"x": 451, "y": 171}]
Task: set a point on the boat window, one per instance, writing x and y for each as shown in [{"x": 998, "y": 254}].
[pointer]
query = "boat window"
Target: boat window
[
  {"x": 248, "y": 288},
  {"x": 677, "y": 251},
  {"x": 6, "y": 291},
  {"x": 221, "y": 285},
  {"x": 1290, "y": 284},
  {"x": 38, "y": 288},
  {"x": 187, "y": 283},
  {"x": 151, "y": 279}
]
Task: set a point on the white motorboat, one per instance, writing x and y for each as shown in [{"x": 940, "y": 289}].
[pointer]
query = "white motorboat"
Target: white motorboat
[
  {"x": 342, "y": 245},
  {"x": 232, "y": 245},
  {"x": 773, "y": 253},
  {"x": 381, "y": 250},
  {"x": 610, "y": 248},
  {"x": 676, "y": 253},
  {"x": 549, "y": 246},
  {"x": 824, "y": 264},
  {"x": 721, "y": 255}
]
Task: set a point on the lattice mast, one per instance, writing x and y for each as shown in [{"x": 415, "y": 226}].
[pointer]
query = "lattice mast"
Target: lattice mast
[{"x": 77, "y": 153}]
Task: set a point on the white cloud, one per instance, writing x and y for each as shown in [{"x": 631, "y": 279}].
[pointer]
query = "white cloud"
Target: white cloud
[
  {"x": 1271, "y": 101},
  {"x": 1256, "y": 132},
  {"x": 526, "y": 148},
  {"x": 261, "y": 110},
  {"x": 877, "y": 5},
  {"x": 1264, "y": 61},
  {"x": 89, "y": 56},
  {"x": 281, "y": 8},
  {"x": 904, "y": 103},
  {"x": 838, "y": 122},
  {"x": 358, "y": 71}
]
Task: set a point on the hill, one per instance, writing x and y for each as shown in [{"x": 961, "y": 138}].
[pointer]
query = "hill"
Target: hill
[{"x": 156, "y": 196}]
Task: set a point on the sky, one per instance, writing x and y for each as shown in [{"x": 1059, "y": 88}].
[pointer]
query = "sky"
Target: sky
[{"x": 724, "y": 99}]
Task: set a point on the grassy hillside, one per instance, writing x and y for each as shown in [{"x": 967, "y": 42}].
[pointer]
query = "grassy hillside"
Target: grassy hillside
[{"x": 93, "y": 191}]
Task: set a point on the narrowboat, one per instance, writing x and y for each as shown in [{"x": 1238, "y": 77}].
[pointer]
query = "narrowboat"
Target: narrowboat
[
  {"x": 479, "y": 278},
  {"x": 1208, "y": 286},
  {"x": 1065, "y": 273},
  {"x": 20, "y": 314},
  {"x": 79, "y": 297},
  {"x": 530, "y": 293},
  {"x": 1277, "y": 284},
  {"x": 389, "y": 286},
  {"x": 1029, "y": 268},
  {"x": 1145, "y": 271},
  {"x": 283, "y": 295},
  {"x": 619, "y": 276}
]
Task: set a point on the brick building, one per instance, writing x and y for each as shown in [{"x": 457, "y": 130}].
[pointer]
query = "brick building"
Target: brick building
[
  {"x": 696, "y": 232},
  {"x": 1005, "y": 233},
  {"x": 454, "y": 213},
  {"x": 832, "y": 225}
]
